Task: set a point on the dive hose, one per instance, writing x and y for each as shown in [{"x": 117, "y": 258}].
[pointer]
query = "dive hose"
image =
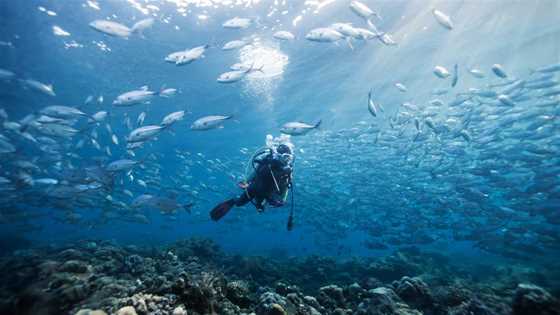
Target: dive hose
[{"x": 290, "y": 225}]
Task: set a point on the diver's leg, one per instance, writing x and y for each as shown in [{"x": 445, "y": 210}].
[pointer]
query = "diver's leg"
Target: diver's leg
[
  {"x": 259, "y": 204},
  {"x": 242, "y": 200},
  {"x": 222, "y": 209},
  {"x": 247, "y": 195}
]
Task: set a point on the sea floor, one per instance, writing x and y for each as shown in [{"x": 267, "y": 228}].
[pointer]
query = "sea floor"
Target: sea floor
[{"x": 195, "y": 277}]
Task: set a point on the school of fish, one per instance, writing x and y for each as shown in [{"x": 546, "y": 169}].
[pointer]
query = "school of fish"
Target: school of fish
[{"x": 476, "y": 163}]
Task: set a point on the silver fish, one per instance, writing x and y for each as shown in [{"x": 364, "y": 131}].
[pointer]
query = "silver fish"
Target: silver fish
[
  {"x": 172, "y": 118},
  {"x": 144, "y": 133},
  {"x": 135, "y": 97},
  {"x": 209, "y": 122},
  {"x": 298, "y": 128}
]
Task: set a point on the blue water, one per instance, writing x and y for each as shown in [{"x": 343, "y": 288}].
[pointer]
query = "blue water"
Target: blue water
[{"x": 345, "y": 182}]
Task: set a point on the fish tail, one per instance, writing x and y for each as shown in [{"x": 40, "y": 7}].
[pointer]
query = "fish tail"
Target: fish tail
[
  {"x": 90, "y": 119},
  {"x": 317, "y": 125},
  {"x": 159, "y": 93},
  {"x": 136, "y": 28}
]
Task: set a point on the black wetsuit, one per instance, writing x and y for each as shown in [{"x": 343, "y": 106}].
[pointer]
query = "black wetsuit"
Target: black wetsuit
[{"x": 262, "y": 186}]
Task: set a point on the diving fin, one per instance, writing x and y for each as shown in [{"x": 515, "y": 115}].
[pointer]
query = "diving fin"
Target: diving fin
[{"x": 222, "y": 209}]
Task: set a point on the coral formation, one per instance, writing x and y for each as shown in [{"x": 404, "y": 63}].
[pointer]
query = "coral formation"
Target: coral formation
[{"x": 194, "y": 277}]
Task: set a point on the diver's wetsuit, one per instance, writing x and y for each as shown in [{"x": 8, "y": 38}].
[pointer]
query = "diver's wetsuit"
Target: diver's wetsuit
[{"x": 262, "y": 186}]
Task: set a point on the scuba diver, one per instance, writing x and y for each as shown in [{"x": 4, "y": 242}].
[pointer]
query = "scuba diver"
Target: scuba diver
[{"x": 269, "y": 182}]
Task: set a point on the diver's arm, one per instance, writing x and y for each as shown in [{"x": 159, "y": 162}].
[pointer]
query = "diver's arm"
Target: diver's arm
[
  {"x": 245, "y": 183},
  {"x": 252, "y": 176}
]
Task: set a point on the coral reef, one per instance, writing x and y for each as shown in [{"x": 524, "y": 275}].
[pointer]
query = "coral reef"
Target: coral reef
[{"x": 194, "y": 277}]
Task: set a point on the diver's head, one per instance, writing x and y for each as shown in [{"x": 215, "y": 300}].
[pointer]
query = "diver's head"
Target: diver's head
[{"x": 284, "y": 149}]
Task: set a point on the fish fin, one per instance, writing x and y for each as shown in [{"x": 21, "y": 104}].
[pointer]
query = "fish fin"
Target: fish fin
[
  {"x": 144, "y": 88},
  {"x": 372, "y": 26},
  {"x": 221, "y": 210},
  {"x": 251, "y": 68},
  {"x": 349, "y": 42}
]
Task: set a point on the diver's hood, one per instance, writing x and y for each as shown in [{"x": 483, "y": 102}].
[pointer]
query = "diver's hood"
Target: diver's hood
[{"x": 273, "y": 142}]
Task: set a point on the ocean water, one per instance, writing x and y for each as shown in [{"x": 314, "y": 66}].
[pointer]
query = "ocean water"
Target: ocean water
[{"x": 463, "y": 164}]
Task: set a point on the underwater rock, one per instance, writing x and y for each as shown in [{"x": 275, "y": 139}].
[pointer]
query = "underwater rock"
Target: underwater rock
[
  {"x": 225, "y": 307},
  {"x": 90, "y": 312},
  {"x": 354, "y": 292},
  {"x": 414, "y": 292},
  {"x": 294, "y": 298},
  {"x": 283, "y": 288},
  {"x": 70, "y": 254},
  {"x": 238, "y": 293},
  {"x": 203, "y": 292},
  {"x": 384, "y": 301},
  {"x": 137, "y": 265},
  {"x": 302, "y": 306},
  {"x": 392, "y": 268},
  {"x": 70, "y": 294},
  {"x": 371, "y": 283},
  {"x": 309, "y": 300},
  {"x": 276, "y": 309},
  {"x": 179, "y": 310},
  {"x": 271, "y": 303},
  {"x": 204, "y": 249},
  {"x": 144, "y": 303},
  {"x": 154, "y": 281},
  {"x": 107, "y": 287},
  {"x": 133, "y": 264},
  {"x": 331, "y": 296},
  {"x": 473, "y": 306},
  {"x": 530, "y": 299},
  {"x": 74, "y": 266},
  {"x": 338, "y": 311},
  {"x": 127, "y": 310},
  {"x": 47, "y": 268},
  {"x": 451, "y": 296}
]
